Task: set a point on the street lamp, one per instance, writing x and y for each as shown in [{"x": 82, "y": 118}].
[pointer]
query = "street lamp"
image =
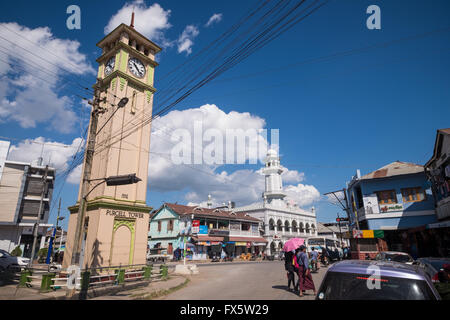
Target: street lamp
[{"x": 185, "y": 231}]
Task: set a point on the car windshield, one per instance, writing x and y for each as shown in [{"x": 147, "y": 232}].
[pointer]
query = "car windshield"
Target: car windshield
[
  {"x": 352, "y": 286},
  {"x": 398, "y": 257},
  {"x": 3, "y": 253}
]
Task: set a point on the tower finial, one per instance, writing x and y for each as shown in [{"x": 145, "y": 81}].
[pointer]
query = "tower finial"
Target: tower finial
[{"x": 132, "y": 19}]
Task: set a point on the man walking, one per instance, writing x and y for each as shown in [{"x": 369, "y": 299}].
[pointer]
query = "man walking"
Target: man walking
[{"x": 305, "y": 280}]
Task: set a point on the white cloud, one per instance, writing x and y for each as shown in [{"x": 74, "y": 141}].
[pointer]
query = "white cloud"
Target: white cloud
[
  {"x": 75, "y": 176},
  {"x": 185, "y": 41},
  {"x": 243, "y": 186},
  {"x": 55, "y": 154},
  {"x": 303, "y": 194},
  {"x": 29, "y": 93},
  {"x": 151, "y": 21},
  {"x": 215, "y": 18}
]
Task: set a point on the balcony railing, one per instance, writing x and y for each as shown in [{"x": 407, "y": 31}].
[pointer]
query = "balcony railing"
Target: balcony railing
[{"x": 243, "y": 233}]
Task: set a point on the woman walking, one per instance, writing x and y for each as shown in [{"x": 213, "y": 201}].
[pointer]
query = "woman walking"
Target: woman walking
[
  {"x": 290, "y": 269},
  {"x": 305, "y": 280}
]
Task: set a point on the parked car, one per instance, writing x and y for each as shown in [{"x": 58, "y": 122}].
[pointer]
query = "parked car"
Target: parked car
[
  {"x": 376, "y": 280},
  {"x": 432, "y": 266},
  {"x": 11, "y": 263},
  {"x": 396, "y": 256}
]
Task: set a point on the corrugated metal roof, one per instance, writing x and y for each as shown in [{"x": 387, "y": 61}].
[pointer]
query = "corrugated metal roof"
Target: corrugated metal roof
[
  {"x": 394, "y": 169},
  {"x": 216, "y": 213}
]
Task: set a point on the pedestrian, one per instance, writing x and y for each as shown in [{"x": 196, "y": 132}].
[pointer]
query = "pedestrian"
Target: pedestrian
[
  {"x": 314, "y": 258},
  {"x": 305, "y": 281},
  {"x": 289, "y": 266}
]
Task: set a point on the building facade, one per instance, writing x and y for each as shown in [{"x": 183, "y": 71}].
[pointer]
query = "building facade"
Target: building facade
[
  {"x": 396, "y": 198},
  {"x": 21, "y": 186},
  {"x": 438, "y": 170},
  {"x": 172, "y": 223},
  {"x": 281, "y": 219}
]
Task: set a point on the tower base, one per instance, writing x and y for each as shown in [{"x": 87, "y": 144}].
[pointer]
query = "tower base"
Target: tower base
[{"x": 114, "y": 235}]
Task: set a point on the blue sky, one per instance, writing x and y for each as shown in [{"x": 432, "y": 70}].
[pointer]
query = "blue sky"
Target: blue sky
[{"x": 359, "y": 111}]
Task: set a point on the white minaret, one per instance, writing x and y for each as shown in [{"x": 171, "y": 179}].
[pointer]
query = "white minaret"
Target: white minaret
[{"x": 274, "y": 185}]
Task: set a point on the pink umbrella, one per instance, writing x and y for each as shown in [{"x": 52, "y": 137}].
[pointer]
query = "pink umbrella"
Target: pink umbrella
[{"x": 293, "y": 244}]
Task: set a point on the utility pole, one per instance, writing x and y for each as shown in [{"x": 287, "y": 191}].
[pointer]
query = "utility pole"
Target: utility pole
[
  {"x": 36, "y": 225},
  {"x": 87, "y": 173},
  {"x": 339, "y": 223},
  {"x": 52, "y": 239}
]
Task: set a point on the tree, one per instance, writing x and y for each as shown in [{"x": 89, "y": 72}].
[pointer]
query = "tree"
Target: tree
[{"x": 17, "y": 252}]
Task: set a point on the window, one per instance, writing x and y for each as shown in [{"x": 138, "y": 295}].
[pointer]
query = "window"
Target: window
[
  {"x": 413, "y": 194},
  {"x": 386, "y": 197},
  {"x": 159, "y": 226},
  {"x": 170, "y": 225}
]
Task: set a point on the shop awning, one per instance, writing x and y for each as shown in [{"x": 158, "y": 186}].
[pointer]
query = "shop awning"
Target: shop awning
[{"x": 444, "y": 224}]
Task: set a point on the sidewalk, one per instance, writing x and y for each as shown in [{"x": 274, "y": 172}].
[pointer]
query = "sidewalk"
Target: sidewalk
[{"x": 154, "y": 288}]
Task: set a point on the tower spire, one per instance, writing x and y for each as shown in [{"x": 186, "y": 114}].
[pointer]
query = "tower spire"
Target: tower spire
[{"x": 132, "y": 19}]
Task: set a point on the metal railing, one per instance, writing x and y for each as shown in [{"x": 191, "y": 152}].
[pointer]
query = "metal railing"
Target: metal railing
[{"x": 92, "y": 277}]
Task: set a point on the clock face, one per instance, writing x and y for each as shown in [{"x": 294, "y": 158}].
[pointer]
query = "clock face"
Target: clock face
[
  {"x": 136, "y": 67},
  {"x": 109, "y": 66}
]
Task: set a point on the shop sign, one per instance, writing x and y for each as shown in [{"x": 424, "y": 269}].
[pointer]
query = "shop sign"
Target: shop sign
[
  {"x": 391, "y": 207},
  {"x": 259, "y": 243},
  {"x": 195, "y": 226},
  {"x": 241, "y": 243},
  {"x": 203, "y": 230},
  {"x": 368, "y": 234},
  {"x": 249, "y": 244},
  {"x": 357, "y": 234},
  {"x": 218, "y": 232}
]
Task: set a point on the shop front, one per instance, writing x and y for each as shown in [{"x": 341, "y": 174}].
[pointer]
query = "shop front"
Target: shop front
[{"x": 245, "y": 245}]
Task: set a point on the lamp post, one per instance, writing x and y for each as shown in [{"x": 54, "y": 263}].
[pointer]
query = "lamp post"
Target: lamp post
[{"x": 185, "y": 231}]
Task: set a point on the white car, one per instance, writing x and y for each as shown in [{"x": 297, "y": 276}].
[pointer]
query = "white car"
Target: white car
[{"x": 11, "y": 263}]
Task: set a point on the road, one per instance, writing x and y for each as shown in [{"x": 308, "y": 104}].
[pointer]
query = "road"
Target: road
[{"x": 245, "y": 281}]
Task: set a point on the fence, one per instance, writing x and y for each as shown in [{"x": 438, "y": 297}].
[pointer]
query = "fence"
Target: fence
[{"x": 91, "y": 277}]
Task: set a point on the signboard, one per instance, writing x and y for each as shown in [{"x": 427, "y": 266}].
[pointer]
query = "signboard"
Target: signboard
[
  {"x": 249, "y": 244},
  {"x": 241, "y": 243},
  {"x": 218, "y": 232},
  {"x": 357, "y": 234},
  {"x": 368, "y": 234},
  {"x": 391, "y": 207},
  {"x": 195, "y": 226},
  {"x": 203, "y": 230}
]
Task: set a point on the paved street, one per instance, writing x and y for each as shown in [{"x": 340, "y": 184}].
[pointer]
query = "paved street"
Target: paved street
[{"x": 264, "y": 281}]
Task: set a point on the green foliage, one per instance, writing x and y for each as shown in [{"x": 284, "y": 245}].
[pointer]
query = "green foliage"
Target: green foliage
[
  {"x": 17, "y": 252},
  {"x": 42, "y": 254}
]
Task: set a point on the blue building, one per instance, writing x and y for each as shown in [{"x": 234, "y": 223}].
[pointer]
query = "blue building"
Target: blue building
[
  {"x": 396, "y": 199},
  {"x": 171, "y": 223}
]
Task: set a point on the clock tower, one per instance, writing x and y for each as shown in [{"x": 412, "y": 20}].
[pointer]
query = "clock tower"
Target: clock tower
[{"x": 117, "y": 217}]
